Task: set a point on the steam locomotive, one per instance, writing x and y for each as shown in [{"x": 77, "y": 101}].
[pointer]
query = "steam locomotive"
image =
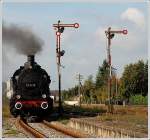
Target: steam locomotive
[{"x": 31, "y": 93}]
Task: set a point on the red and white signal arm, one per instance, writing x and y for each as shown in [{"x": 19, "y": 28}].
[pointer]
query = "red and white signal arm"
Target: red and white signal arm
[{"x": 125, "y": 32}]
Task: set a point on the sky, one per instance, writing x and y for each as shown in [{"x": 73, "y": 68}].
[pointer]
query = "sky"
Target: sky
[{"x": 85, "y": 47}]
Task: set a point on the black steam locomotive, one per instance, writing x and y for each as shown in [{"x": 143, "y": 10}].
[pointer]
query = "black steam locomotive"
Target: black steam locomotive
[{"x": 31, "y": 93}]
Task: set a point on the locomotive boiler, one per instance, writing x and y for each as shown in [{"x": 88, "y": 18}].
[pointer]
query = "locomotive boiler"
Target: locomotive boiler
[{"x": 31, "y": 93}]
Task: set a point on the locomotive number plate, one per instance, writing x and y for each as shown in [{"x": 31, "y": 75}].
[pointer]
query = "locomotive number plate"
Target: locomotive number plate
[{"x": 30, "y": 85}]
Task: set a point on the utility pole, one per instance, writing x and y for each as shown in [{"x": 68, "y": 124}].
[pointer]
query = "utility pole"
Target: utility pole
[
  {"x": 79, "y": 78},
  {"x": 59, "y": 30},
  {"x": 115, "y": 76},
  {"x": 110, "y": 34},
  {"x": 116, "y": 82}
]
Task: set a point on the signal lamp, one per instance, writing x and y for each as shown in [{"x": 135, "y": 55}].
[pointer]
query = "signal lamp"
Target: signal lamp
[
  {"x": 112, "y": 36},
  {"x": 58, "y": 33},
  {"x": 61, "y": 29},
  {"x": 62, "y": 53}
]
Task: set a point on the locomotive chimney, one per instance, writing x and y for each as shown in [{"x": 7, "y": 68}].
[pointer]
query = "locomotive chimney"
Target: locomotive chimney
[
  {"x": 30, "y": 59},
  {"x": 30, "y": 62}
]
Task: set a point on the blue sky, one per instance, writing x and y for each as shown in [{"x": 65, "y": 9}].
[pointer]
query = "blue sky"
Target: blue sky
[{"x": 85, "y": 47}]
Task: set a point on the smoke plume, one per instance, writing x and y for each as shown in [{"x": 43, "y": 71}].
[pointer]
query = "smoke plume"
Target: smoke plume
[{"x": 22, "y": 39}]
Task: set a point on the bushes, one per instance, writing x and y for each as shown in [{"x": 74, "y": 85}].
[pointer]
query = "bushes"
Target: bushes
[{"x": 139, "y": 100}]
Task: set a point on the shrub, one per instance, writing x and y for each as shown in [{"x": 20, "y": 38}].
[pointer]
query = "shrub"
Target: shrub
[{"x": 139, "y": 100}]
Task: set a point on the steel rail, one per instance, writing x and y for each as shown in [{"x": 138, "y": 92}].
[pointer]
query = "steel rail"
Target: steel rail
[
  {"x": 68, "y": 131},
  {"x": 30, "y": 129}
]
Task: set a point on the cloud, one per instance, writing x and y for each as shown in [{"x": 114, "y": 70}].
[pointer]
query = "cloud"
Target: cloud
[{"x": 134, "y": 15}]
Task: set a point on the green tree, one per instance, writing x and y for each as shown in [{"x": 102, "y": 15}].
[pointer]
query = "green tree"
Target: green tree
[
  {"x": 102, "y": 94},
  {"x": 102, "y": 75},
  {"x": 89, "y": 89},
  {"x": 134, "y": 80},
  {"x": 145, "y": 88},
  {"x": 139, "y": 100},
  {"x": 70, "y": 93}
]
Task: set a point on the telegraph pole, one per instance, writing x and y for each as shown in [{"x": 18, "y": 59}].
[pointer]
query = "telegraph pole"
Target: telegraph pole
[
  {"x": 116, "y": 84},
  {"x": 79, "y": 78},
  {"x": 110, "y": 34},
  {"x": 59, "y": 30},
  {"x": 114, "y": 71}
]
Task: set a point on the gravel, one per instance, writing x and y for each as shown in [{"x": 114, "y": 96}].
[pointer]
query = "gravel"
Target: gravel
[
  {"x": 10, "y": 130},
  {"x": 49, "y": 132}
]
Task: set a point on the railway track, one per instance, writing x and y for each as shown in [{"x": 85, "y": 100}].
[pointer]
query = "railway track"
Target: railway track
[
  {"x": 30, "y": 129},
  {"x": 46, "y": 129}
]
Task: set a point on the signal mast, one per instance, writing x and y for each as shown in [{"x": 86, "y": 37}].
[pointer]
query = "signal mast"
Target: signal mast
[
  {"x": 59, "y": 30},
  {"x": 110, "y": 34}
]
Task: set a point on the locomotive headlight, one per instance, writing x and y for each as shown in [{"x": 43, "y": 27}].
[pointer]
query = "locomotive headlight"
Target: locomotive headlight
[
  {"x": 18, "y": 96},
  {"x": 44, "y": 105},
  {"x": 44, "y": 96},
  {"x": 18, "y": 105}
]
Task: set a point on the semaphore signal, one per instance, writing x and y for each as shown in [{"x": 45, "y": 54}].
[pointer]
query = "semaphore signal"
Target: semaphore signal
[
  {"x": 110, "y": 34},
  {"x": 59, "y": 30}
]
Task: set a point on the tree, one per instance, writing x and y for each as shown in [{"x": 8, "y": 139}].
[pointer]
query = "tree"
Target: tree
[
  {"x": 102, "y": 81},
  {"x": 70, "y": 93},
  {"x": 102, "y": 94},
  {"x": 89, "y": 88},
  {"x": 102, "y": 75},
  {"x": 145, "y": 88},
  {"x": 134, "y": 80}
]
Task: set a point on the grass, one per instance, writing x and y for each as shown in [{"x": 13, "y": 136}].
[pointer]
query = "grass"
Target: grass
[
  {"x": 10, "y": 132},
  {"x": 134, "y": 118},
  {"x": 5, "y": 107},
  {"x": 127, "y": 118},
  {"x": 80, "y": 111},
  {"x": 6, "y": 112},
  {"x": 83, "y": 109},
  {"x": 63, "y": 120}
]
